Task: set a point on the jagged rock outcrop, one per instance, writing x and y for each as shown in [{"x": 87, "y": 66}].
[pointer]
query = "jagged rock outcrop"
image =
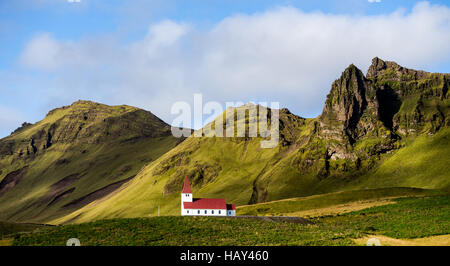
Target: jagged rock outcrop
[
  {"x": 392, "y": 101},
  {"x": 410, "y": 101},
  {"x": 351, "y": 108},
  {"x": 392, "y": 70},
  {"x": 367, "y": 116}
]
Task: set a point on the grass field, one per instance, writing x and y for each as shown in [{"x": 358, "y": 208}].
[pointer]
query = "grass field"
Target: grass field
[
  {"x": 408, "y": 218},
  {"x": 317, "y": 202},
  {"x": 8, "y": 229}
]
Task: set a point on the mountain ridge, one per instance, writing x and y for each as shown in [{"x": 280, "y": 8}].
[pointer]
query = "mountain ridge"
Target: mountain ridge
[
  {"x": 369, "y": 123},
  {"x": 361, "y": 132}
]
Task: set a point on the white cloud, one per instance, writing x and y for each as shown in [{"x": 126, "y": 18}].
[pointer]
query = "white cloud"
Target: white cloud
[
  {"x": 166, "y": 33},
  {"x": 281, "y": 55},
  {"x": 42, "y": 52},
  {"x": 45, "y": 53},
  {"x": 374, "y": 1}
]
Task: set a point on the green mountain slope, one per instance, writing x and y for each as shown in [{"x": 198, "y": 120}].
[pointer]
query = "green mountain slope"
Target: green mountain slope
[
  {"x": 75, "y": 155},
  {"x": 423, "y": 162},
  {"x": 389, "y": 128}
]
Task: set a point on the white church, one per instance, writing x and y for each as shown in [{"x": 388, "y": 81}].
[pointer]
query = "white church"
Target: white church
[{"x": 203, "y": 207}]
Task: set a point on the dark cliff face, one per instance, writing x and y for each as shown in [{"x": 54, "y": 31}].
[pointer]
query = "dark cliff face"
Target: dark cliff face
[
  {"x": 411, "y": 101},
  {"x": 379, "y": 67},
  {"x": 392, "y": 101},
  {"x": 364, "y": 117},
  {"x": 351, "y": 107}
]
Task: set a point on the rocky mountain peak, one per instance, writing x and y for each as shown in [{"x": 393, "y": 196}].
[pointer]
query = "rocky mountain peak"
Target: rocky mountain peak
[
  {"x": 346, "y": 100},
  {"x": 358, "y": 108},
  {"x": 377, "y": 67},
  {"x": 350, "y": 112},
  {"x": 392, "y": 70},
  {"x": 350, "y": 87}
]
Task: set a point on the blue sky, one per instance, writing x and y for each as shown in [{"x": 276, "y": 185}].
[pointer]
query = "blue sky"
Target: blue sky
[{"x": 153, "y": 53}]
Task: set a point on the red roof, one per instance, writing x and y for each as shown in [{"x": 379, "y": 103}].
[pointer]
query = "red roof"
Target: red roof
[
  {"x": 210, "y": 204},
  {"x": 186, "y": 187}
]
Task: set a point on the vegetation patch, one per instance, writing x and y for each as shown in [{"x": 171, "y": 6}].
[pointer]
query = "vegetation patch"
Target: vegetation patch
[
  {"x": 408, "y": 218},
  {"x": 8, "y": 229}
]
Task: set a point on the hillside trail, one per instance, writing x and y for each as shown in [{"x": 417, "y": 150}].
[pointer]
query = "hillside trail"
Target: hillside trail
[{"x": 442, "y": 240}]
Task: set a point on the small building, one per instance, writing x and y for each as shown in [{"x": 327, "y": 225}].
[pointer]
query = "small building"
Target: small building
[{"x": 203, "y": 206}]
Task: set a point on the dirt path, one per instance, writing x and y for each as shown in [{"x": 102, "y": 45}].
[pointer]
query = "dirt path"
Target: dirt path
[
  {"x": 290, "y": 219},
  {"x": 6, "y": 242},
  {"x": 443, "y": 240},
  {"x": 342, "y": 208}
]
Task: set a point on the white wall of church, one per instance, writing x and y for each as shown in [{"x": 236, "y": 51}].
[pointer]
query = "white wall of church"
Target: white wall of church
[
  {"x": 186, "y": 197},
  {"x": 204, "y": 212}
]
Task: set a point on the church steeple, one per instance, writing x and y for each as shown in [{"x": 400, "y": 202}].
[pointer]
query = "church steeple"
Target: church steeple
[
  {"x": 187, "y": 186},
  {"x": 186, "y": 193}
]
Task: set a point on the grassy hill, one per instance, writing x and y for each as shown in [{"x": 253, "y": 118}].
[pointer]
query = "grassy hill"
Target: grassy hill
[
  {"x": 75, "y": 155},
  {"x": 408, "y": 218}
]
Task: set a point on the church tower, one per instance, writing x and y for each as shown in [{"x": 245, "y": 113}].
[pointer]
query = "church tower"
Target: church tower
[{"x": 186, "y": 193}]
